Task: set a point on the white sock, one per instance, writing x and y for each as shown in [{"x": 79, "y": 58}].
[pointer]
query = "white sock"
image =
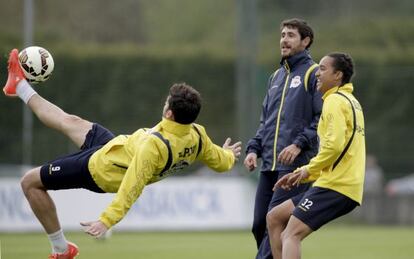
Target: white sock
[
  {"x": 24, "y": 91},
  {"x": 58, "y": 241}
]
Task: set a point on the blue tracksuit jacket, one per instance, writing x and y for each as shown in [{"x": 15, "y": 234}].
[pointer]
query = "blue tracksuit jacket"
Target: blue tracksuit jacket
[{"x": 291, "y": 111}]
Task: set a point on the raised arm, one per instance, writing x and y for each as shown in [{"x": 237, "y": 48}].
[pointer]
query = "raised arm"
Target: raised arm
[{"x": 218, "y": 158}]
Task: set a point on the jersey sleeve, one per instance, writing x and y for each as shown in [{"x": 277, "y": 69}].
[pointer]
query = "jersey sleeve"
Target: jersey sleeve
[
  {"x": 332, "y": 142},
  {"x": 214, "y": 156},
  {"x": 138, "y": 174}
]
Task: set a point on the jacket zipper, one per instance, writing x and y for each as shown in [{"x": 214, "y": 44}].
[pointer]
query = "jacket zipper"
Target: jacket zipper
[{"x": 278, "y": 115}]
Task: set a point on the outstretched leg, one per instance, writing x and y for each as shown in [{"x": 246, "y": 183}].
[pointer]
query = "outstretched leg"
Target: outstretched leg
[{"x": 52, "y": 116}]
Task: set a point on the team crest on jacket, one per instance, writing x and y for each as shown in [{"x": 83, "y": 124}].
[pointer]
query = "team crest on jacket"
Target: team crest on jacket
[{"x": 295, "y": 82}]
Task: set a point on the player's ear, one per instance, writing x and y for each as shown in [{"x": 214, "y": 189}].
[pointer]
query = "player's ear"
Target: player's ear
[
  {"x": 169, "y": 115},
  {"x": 305, "y": 41},
  {"x": 339, "y": 75}
]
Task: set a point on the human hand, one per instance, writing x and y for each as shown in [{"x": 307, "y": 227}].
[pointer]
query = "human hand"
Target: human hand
[
  {"x": 250, "y": 162},
  {"x": 235, "y": 148},
  {"x": 293, "y": 179},
  {"x": 283, "y": 182},
  {"x": 94, "y": 228},
  {"x": 289, "y": 154}
]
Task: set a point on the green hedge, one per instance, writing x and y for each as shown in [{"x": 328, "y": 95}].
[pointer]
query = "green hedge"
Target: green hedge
[
  {"x": 126, "y": 90},
  {"x": 122, "y": 92},
  {"x": 386, "y": 95}
]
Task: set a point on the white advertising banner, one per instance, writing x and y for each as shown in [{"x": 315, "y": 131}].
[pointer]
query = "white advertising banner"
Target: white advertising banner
[{"x": 176, "y": 203}]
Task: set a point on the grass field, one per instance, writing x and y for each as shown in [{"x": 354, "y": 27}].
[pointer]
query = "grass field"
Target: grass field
[{"x": 337, "y": 241}]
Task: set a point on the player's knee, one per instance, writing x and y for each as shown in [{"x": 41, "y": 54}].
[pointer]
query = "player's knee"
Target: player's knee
[
  {"x": 273, "y": 218},
  {"x": 289, "y": 235},
  {"x": 286, "y": 236},
  {"x": 71, "y": 123},
  {"x": 30, "y": 180}
]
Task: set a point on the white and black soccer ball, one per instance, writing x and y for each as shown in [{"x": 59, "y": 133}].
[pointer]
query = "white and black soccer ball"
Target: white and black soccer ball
[{"x": 37, "y": 64}]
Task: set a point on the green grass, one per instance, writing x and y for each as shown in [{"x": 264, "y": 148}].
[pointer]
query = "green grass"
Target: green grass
[
  {"x": 337, "y": 241},
  {"x": 360, "y": 242}
]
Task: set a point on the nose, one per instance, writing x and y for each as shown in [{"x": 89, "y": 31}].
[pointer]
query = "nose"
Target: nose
[{"x": 317, "y": 74}]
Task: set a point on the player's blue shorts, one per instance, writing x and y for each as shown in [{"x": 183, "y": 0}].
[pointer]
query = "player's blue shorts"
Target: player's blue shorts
[
  {"x": 318, "y": 206},
  {"x": 71, "y": 171}
]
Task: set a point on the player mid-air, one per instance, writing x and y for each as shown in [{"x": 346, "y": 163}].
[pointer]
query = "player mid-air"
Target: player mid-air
[{"x": 122, "y": 164}]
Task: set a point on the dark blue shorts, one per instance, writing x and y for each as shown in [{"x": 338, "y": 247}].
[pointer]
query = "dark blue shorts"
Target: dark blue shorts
[
  {"x": 318, "y": 206},
  {"x": 71, "y": 171}
]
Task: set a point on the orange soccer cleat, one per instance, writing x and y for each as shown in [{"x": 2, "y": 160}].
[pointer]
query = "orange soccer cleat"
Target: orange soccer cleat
[
  {"x": 71, "y": 253},
  {"x": 15, "y": 74}
]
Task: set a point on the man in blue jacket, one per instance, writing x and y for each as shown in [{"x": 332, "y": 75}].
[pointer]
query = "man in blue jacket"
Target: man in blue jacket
[{"x": 286, "y": 137}]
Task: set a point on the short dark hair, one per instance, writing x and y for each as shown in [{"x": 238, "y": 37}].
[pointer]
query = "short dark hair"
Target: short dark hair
[
  {"x": 184, "y": 102},
  {"x": 302, "y": 26},
  {"x": 343, "y": 62}
]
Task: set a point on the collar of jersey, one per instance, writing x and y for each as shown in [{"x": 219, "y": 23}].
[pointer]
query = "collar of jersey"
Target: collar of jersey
[
  {"x": 174, "y": 127},
  {"x": 348, "y": 88},
  {"x": 298, "y": 58}
]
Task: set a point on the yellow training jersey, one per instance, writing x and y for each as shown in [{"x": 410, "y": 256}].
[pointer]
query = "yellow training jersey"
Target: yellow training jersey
[
  {"x": 342, "y": 174},
  {"x": 129, "y": 162}
]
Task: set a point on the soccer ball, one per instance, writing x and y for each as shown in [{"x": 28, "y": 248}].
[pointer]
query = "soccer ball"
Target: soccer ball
[{"x": 37, "y": 64}]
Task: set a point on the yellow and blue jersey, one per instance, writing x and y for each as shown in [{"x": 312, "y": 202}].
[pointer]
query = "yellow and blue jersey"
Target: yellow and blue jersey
[
  {"x": 128, "y": 163},
  {"x": 330, "y": 168}
]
